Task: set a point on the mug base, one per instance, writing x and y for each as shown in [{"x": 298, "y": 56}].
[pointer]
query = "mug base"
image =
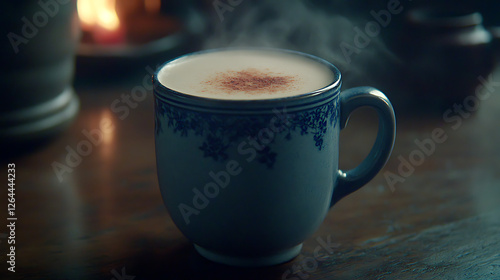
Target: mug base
[
  {"x": 281, "y": 257},
  {"x": 39, "y": 121}
]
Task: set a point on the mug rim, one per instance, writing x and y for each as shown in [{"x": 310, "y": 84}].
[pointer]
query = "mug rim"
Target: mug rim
[{"x": 325, "y": 93}]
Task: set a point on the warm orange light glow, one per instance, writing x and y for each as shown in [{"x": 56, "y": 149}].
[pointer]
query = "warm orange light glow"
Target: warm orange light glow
[
  {"x": 107, "y": 126},
  {"x": 152, "y": 6},
  {"x": 98, "y": 12}
]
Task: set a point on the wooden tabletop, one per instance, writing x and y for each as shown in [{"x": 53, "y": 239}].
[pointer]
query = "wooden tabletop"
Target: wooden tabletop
[{"x": 436, "y": 217}]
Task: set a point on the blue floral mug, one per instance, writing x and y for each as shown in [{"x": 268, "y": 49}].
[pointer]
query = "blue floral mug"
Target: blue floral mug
[{"x": 247, "y": 181}]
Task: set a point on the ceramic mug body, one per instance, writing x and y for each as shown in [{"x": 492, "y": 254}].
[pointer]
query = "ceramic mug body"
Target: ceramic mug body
[
  {"x": 38, "y": 59},
  {"x": 248, "y": 181}
]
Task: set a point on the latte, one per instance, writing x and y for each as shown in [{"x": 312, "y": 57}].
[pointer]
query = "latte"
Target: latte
[{"x": 245, "y": 74}]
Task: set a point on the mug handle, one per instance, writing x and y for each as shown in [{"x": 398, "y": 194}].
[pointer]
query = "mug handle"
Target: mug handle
[{"x": 350, "y": 100}]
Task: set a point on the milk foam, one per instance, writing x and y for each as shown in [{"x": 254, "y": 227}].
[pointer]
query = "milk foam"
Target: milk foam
[{"x": 245, "y": 75}]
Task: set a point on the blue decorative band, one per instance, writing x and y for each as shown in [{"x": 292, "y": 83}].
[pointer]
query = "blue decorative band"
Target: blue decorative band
[{"x": 220, "y": 131}]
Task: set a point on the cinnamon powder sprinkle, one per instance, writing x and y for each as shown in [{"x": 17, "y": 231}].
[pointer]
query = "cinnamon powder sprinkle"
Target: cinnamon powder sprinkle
[{"x": 251, "y": 80}]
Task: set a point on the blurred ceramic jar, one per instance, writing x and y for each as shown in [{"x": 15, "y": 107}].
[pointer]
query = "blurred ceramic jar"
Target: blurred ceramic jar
[
  {"x": 447, "y": 54},
  {"x": 37, "y": 68}
]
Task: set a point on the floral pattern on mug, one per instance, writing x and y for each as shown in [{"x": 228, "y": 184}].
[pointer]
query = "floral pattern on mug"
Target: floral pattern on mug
[{"x": 220, "y": 131}]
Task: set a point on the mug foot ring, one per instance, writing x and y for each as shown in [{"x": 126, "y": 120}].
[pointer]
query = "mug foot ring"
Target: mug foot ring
[{"x": 281, "y": 257}]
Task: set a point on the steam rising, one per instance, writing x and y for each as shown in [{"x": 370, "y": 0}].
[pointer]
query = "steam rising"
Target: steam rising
[{"x": 296, "y": 25}]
